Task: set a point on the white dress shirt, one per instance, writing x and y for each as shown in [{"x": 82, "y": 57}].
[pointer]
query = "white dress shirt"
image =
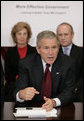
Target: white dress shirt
[{"x": 58, "y": 102}]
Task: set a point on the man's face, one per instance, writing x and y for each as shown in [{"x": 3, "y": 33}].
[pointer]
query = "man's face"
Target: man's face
[
  {"x": 49, "y": 50},
  {"x": 64, "y": 35}
]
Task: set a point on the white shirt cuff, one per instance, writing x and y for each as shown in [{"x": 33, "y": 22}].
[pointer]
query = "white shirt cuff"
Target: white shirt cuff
[
  {"x": 58, "y": 102},
  {"x": 18, "y": 99}
]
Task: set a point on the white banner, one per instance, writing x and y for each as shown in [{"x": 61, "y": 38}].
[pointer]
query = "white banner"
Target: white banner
[{"x": 41, "y": 15}]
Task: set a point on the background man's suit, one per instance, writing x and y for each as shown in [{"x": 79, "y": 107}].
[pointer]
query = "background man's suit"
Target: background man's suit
[
  {"x": 31, "y": 75},
  {"x": 77, "y": 54}
]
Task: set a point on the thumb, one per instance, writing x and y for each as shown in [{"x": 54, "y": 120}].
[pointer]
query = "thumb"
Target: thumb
[{"x": 45, "y": 98}]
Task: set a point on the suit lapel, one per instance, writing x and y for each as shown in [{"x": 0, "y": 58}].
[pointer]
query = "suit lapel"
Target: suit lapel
[
  {"x": 73, "y": 51},
  {"x": 57, "y": 64},
  {"x": 38, "y": 71},
  {"x": 56, "y": 75},
  {"x": 60, "y": 50}
]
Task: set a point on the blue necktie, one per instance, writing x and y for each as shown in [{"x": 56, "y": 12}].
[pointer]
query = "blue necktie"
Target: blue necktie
[{"x": 66, "y": 51}]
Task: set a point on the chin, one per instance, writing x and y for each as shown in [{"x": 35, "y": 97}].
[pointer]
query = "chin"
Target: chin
[
  {"x": 64, "y": 44},
  {"x": 50, "y": 62}
]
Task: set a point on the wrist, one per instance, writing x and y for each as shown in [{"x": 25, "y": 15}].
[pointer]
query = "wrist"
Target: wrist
[
  {"x": 20, "y": 94},
  {"x": 54, "y": 103}
]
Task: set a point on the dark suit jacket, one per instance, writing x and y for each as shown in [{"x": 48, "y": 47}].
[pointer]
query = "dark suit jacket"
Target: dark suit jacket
[
  {"x": 31, "y": 75},
  {"x": 77, "y": 55},
  {"x": 11, "y": 70},
  {"x": 2, "y": 84}
]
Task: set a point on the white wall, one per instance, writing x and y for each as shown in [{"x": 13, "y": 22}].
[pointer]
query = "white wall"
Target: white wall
[{"x": 41, "y": 15}]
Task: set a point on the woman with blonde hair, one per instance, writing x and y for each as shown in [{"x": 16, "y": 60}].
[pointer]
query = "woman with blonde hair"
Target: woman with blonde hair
[{"x": 21, "y": 34}]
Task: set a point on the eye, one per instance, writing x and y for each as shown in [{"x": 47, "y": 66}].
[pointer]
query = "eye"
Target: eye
[
  {"x": 25, "y": 33},
  {"x": 19, "y": 33},
  {"x": 66, "y": 34},
  {"x": 59, "y": 34},
  {"x": 54, "y": 47},
  {"x": 45, "y": 47}
]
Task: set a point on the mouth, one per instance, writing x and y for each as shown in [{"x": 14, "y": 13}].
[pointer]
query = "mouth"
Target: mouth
[
  {"x": 63, "y": 40},
  {"x": 50, "y": 58},
  {"x": 22, "y": 40}
]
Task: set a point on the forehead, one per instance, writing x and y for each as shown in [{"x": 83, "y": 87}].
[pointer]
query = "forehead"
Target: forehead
[
  {"x": 47, "y": 41},
  {"x": 22, "y": 30},
  {"x": 64, "y": 27}
]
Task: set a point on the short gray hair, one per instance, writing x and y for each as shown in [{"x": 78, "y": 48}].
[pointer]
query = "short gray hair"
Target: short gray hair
[{"x": 46, "y": 34}]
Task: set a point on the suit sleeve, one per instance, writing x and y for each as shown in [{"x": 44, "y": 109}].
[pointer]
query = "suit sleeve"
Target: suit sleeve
[
  {"x": 67, "y": 87},
  {"x": 22, "y": 80}
]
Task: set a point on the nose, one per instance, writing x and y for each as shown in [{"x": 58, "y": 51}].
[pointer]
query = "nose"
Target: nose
[
  {"x": 63, "y": 37},
  {"x": 22, "y": 36},
  {"x": 50, "y": 51}
]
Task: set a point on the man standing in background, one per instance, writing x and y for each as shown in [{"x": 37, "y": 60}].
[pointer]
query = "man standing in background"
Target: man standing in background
[{"x": 65, "y": 35}]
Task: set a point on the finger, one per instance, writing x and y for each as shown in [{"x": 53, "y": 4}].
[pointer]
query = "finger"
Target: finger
[
  {"x": 45, "y": 105},
  {"x": 29, "y": 96},
  {"x": 36, "y": 92},
  {"x": 31, "y": 90},
  {"x": 48, "y": 109},
  {"x": 46, "y": 99}
]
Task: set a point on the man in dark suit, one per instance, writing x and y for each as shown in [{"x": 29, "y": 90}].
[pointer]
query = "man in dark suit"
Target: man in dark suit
[
  {"x": 2, "y": 84},
  {"x": 31, "y": 71},
  {"x": 65, "y": 35}
]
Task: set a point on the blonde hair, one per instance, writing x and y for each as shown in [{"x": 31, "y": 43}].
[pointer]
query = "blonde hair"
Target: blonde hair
[{"x": 18, "y": 27}]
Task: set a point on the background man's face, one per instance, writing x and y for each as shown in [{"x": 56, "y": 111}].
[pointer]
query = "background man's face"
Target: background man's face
[{"x": 64, "y": 35}]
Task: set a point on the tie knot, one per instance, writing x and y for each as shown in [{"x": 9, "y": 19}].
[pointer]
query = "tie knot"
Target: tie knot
[
  {"x": 66, "y": 50},
  {"x": 47, "y": 65}
]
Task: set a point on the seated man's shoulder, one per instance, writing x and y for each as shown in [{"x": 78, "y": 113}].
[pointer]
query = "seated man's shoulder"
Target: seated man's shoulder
[{"x": 29, "y": 59}]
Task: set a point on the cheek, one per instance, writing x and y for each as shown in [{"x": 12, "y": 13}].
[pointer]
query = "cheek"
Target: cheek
[
  {"x": 26, "y": 36},
  {"x": 44, "y": 55},
  {"x": 59, "y": 38},
  {"x": 56, "y": 53},
  {"x": 18, "y": 37}
]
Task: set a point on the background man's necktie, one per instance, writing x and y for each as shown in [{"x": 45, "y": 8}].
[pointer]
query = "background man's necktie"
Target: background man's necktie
[
  {"x": 46, "y": 84},
  {"x": 66, "y": 51}
]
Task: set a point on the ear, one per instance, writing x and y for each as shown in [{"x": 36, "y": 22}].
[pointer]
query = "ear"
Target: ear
[
  {"x": 72, "y": 35},
  {"x": 38, "y": 49}
]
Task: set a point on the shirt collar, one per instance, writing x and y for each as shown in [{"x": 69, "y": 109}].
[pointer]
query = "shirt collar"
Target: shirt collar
[
  {"x": 44, "y": 65},
  {"x": 69, "y": 46}
]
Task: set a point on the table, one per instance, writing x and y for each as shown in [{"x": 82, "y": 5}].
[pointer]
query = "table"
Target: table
[{"x": 70, "y": 112}]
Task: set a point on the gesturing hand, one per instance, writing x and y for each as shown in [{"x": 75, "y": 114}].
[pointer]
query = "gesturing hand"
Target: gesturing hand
[
  {"x": 49, "y": 104},
  {"x": 28, "y": 93}
]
